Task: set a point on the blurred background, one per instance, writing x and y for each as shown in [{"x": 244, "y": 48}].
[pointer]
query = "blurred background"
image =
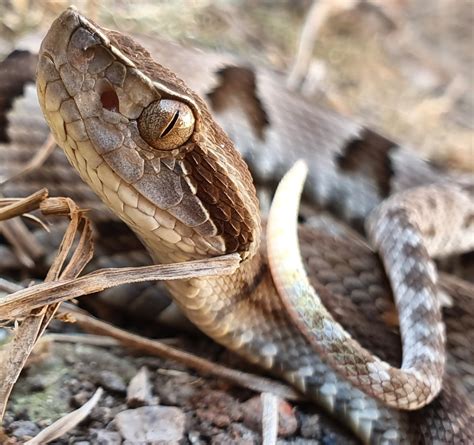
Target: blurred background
[{"x": 405, "y": 67}]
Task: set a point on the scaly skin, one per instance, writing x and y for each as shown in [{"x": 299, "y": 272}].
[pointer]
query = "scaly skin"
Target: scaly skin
[{"x": 191, "y": 197}]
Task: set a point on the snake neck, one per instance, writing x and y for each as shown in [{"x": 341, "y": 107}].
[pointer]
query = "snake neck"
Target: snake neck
[{"x": 223, "y": 306}]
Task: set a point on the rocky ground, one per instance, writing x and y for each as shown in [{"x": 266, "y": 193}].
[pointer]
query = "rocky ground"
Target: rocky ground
[{"x": 175, "y": 404}]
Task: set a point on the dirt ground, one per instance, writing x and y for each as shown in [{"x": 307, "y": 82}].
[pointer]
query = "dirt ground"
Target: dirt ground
[{"x": 405, "y": 70}]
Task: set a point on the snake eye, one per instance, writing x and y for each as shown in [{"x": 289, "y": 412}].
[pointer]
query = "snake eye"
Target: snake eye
[{"x": 166, "y": 124}]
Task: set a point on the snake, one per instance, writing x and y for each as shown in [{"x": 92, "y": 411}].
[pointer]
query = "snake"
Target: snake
[{"x": 150, "y": 149}]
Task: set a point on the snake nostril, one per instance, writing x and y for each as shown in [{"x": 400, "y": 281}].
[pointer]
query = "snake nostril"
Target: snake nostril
[{"x": 110, "y": 100}]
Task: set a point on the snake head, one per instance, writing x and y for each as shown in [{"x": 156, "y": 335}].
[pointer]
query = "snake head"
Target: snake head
[{"x": 145, "y": 143}]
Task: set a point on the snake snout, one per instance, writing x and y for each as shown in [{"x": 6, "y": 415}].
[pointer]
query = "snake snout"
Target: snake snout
[{"x": 57, "y": 39}]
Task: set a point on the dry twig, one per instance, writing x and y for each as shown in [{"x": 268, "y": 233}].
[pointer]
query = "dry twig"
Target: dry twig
[
  {"x": 20, "y": 303},
  {"x": 17, "y": 207},
  {"x": 154, "y": 347},
  {"x": 83, "y": 339},
  {"x": 33, "y": 326}
]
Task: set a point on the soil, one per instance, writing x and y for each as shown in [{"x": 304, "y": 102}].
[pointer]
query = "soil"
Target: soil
[{"x": 214, "y": 412}]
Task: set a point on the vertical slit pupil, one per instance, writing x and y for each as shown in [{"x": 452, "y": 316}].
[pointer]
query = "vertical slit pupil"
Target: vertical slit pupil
[{"x": 170, "y": 126}]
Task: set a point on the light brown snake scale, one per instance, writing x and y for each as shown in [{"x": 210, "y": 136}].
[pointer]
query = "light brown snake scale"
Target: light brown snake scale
[{"x": 238, "y": 314}]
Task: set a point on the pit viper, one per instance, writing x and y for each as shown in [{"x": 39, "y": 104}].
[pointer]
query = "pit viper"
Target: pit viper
[{"x": 152, "y": 151}]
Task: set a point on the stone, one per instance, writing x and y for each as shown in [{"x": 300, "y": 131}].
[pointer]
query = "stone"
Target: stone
[
  {"x": 139, "y": 390},
  {"x": 112, "y": 381},
  {"x": 24, "y": 428},
  {"x": 161, "y": 424}
]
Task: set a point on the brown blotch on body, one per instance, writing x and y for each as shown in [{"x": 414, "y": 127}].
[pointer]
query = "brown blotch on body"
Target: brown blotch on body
[
  {"x": 369, "y": 155},
  {"x": 238, "y": 87}
]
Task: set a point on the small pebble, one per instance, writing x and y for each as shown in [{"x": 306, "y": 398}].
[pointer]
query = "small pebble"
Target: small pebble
[
  {"x": 112, "y": 381},
  {"x": 151, "y": 424},
  {"x": 139, "y": 390},
  {"x": 24, "y": 428},
  {"x": 194, "y": 437}
]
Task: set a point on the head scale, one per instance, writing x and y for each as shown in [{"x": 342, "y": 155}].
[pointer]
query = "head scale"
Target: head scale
[{"x": 144, "y": 141}]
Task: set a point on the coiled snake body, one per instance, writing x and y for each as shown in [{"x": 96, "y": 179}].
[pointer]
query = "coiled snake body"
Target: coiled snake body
[{"x": 148, "y": 146}]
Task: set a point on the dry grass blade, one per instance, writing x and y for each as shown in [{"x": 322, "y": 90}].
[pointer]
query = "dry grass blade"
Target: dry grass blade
[
  {"x": 79, "y": 259},
  {"x": 15, "y": 356},
  {"x": 154, "y": 347},
  {"x": 66, "y": 423},
  {"x": 39, "y": 304},
  {"x": 20, "y": 303},
  {"x": 36, "y": 321},
  {"x": 269, "y": 418},
  {"x": 25, "y": 246},
  {"x": 23, "y": 205}
]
